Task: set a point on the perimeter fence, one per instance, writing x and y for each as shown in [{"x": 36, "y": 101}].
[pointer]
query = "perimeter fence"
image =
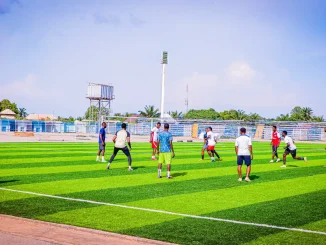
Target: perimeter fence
[{"x": 303, "y": 131}]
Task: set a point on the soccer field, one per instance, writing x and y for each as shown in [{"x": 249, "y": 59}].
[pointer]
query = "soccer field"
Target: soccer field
[{"x": 203, "y": 203}]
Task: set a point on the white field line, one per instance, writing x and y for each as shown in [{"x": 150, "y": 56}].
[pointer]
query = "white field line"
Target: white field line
[{"x": 166, "y": 212}]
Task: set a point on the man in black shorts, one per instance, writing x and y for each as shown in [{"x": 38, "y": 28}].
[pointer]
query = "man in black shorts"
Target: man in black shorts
[
  {"x": 243, "y": 150},
  {"x": 120, "y": 139},
  {"x": 290, "y": 149}
]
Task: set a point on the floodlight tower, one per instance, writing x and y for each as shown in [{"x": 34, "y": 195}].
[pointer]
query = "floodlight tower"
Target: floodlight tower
[
  {"x": 187, "y": 101},
  {"x": 164, "y": 62},
  {"x": 100, "y": 95}
]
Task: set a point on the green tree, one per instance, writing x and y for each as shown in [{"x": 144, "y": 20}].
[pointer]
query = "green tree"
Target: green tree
[
  {"x": 80, "y": 118},
  {"x": 22, "y": 112},
  {"x": 175, "y": 114},
  {"x": 150, "y": 111},
  {"x": 6, "y": 104},
  {"x": 63, "y": 119},
  {"x": 119, "y": 117},
  {"x": 225, "y": 115},
  {"x": 240, "y": 115},
  {"x": 296, "y": 114},
  {"x": 283, "y": 117},
  {"x": 318, "y": 119},
  {"x": 306, "y": 113},
  {"x": 210, "y": 114},
  {"x": 92, "y": 113},
  {"x": 253, "y": 117}
]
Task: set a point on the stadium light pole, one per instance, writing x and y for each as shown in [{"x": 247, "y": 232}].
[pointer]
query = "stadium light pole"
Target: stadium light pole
[{"x": 164, "y": 62}]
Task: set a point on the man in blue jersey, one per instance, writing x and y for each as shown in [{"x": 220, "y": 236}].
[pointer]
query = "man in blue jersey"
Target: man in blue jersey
[
  {"x": 101, "y": 143},
  {"x": 205, "y": 144},
  {"x": 164, "y": 149}
]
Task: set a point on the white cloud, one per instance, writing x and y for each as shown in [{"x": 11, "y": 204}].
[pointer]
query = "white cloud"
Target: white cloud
[
  {"x": 27, "y": 88},
  {"x": 240, "y": 87},
  {"x": 238, "y": 72}
]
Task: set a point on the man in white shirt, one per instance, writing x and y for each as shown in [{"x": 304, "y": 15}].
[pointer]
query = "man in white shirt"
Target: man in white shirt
[
  {"x": 211, "y": 142},
  {"x": 154, "y": 139},
  {"x": 120, "y": 140},
  {"x": 290, "y": 148},
  {"x": 243, "y": 149}
]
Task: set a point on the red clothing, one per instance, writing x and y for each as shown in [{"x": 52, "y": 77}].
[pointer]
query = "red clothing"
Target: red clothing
[
  {"x": 211, "y": 147},
  {"x": 276, "y": 138}
]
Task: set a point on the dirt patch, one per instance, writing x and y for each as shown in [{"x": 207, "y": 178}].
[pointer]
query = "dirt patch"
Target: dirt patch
[{"x": 24, "y": 134}]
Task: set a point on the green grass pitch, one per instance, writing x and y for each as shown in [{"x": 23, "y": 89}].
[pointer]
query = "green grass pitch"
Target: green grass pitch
[{"x": 294, "y": 197}]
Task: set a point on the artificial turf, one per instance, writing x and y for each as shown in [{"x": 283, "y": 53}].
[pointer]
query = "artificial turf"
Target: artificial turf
[{"x": 294, "y": 197}]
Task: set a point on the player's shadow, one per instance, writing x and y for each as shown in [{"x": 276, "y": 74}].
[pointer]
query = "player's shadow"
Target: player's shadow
[
  {"x": 7, "y": 181},
  {"x": 293, "y": 166},
  {"x": 179, "y": 174},
  {"x": 253, "y": 177},
  {"x": 135, "y": 168}
]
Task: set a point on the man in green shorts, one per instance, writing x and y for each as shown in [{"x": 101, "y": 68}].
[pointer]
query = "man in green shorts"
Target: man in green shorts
[{"x": 165, "y": 150}]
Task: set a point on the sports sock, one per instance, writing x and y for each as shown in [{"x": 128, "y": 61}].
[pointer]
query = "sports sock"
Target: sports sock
[
  {"x": 103, "y": 159},
  {"x": 129, "y": 161},
  {"x": 159, "y": 172},
  {"x": 276, "y": 154},
  {"x": 97, "y": 158},
  {"x": 301, "y": 158},
  {"x": 168, "y": 173},
  {"x": 202, "y": 157},
  {"x": 218, "y": 156}
]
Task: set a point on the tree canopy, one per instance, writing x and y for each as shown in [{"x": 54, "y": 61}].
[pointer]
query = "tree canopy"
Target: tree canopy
[
  {"x": 150, "y": 112},
  {"x": 297, "y": 114},
  {"x": 300, "y": 114},
  {"x": 6, "y": 104}
]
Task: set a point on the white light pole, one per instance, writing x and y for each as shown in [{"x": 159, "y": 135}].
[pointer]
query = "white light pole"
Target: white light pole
[{"x": 164, "y": 62}]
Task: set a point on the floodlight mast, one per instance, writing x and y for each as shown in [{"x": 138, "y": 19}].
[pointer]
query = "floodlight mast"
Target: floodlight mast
[{"x": 164, "y": 62}]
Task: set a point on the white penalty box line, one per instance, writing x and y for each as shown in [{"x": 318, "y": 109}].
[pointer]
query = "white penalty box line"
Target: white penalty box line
[{"x": 166, "y": 212}]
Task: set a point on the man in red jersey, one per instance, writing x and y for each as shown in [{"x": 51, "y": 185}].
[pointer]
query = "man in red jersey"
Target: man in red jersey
[{"x": 275, "y": 143}]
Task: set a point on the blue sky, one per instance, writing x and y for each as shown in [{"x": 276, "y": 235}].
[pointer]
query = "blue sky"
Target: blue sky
[{"x": 259, "y": 56}]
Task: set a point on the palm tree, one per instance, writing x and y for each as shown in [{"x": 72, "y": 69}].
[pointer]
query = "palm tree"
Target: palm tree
[
  {"x": 318, "y": 119},
  {"x": 22, "y": 112},
  {"x": 254, "y": 117},
  {"x": 149, "y": 112},
  {"x": 283, "y": 117},
  {"x": 306, "y": 113},
  {"x": 175, "y": 114},
  {"x": 240, "y": 115}
]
